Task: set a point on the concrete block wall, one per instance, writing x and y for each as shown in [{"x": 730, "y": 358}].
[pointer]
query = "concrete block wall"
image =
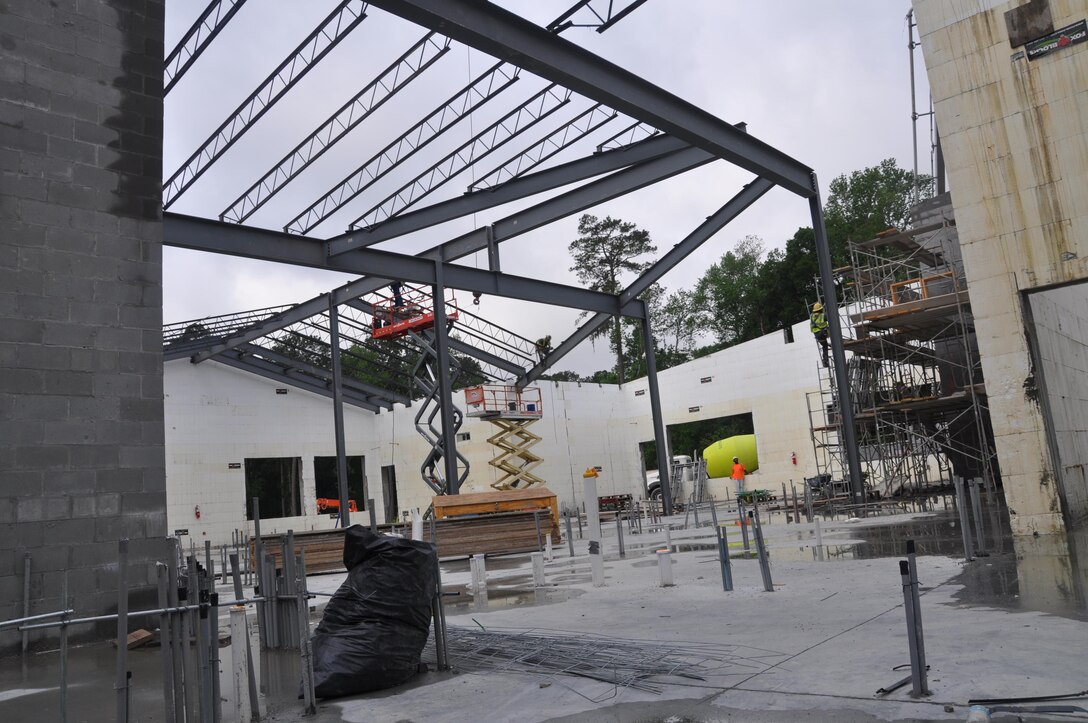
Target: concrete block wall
[
  {"x": 217, "y": 415},
  {"x": 81, "y": 437},
  {"x": 1016, "y": 148},
  {"x": 765, "y": 377}
]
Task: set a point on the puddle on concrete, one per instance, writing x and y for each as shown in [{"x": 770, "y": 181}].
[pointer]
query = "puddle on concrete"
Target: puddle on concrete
[{"x": 497, "y": 598}]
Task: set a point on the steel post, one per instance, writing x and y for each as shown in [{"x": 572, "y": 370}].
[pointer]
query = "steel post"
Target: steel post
[
  {"x": 912, "y": 568},
  {"x": 619, "y": 535},
  {"x": 309, "y": 705},
  {"x": 761, "y": 550},
  {"x": 166, "y": 645},
  {"x": 660, "y": 440},
  {"x": 373, "y": 515},
  {"x": 180, "y": 643},
  {"x": 918, "y": 688},
  {"x": 64, "y": 656},
  {"x": 743, "y": 521},
  {"x": 965, "y": 524},
  {"x": 723, "y": 557},
  {"x": 570, "y": 536},
  {"x": 338, "y": 411},
  {"x": 445, "y": 394},
  {"x": 26, "y": 598},
  {"x": 121, "y": 684},
  {"x": 241, "y": 664}
]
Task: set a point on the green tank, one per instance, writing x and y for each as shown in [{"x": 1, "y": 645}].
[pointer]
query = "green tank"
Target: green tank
[{"x": 719, "y": 456}]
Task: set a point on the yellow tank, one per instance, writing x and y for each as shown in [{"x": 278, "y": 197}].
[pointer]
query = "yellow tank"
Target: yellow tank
[{"x": 719, "y": 456}]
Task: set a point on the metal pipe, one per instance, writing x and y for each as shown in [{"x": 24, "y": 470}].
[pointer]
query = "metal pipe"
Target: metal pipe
[
  {"x": 912, "y": 568},
  {"x": 304, "y": 639},
  {"x": 121, "y": 684},
  {"x": 743, "y": 527},
  {"x": 965, "y": 525},
  {"x": 178, "y": 662},
  {"x": 976, "y": 507},
  {"x": 570, "y": 537},
  {"x": 761, "y": 550},
  {"x": 132, "y": 614},
  {"x": 26, "y": 598},
  {"x": 166, "y": 645},
  {"x": 18, "y": 622},
  {"x": 64, "y": 659},
  {"x": 912, "y": 642},
  {"x": 619, "y": 534}
]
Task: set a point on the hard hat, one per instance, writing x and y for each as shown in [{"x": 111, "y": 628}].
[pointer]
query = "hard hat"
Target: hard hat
[
  {"x": 817, "y": 306},
  {"x": 736, "y": 459}
]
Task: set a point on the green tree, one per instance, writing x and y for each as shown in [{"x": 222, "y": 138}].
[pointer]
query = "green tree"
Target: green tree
[
  {"x": 726, "y": 295},
  {"x": 604, "y": 252},
  {"x": 866, "y": 202},
  {"x": 676, "y": 323}
]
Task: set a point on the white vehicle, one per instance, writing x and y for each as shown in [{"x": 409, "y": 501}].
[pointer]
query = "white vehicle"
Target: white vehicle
[{"x": 686, "y": 478}]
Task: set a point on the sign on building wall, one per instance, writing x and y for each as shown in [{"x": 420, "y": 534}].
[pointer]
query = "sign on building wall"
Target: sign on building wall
[{"x": 1066, "y": 37}]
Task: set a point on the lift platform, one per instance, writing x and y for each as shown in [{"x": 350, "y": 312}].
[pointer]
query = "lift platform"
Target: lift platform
[
  {"x": 403, "y": 309},
  {"x": 512, "y": 411}
]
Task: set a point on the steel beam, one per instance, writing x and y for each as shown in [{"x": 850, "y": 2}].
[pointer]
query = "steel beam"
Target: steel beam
[
  {"x": 733, "y": 208},
  {"x": 562, "y": 137},
  {"x": 217, "y": 237},
  {"x": 515, "y": 190},
  {"x": 501, "y": 34},
  {"x": 341, "y": 21},
  {"x": 200, "y": 34},
  {"x": 388, "y": 83},
  {"x": 238, "y": 360},
  {"x": 484, "y": 88},
  {"x": 387, "y": 396},
  {"x": 490, "y": 139}
]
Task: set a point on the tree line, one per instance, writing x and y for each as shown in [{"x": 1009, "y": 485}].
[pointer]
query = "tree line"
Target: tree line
[{"x": 750, "y": 291}]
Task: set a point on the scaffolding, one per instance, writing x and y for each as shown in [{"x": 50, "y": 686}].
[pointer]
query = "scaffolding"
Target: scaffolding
[{"x": 915, "y": 378}]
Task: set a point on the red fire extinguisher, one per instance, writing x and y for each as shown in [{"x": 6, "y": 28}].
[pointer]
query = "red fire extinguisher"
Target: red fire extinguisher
[{"x": 793, "y": 457}]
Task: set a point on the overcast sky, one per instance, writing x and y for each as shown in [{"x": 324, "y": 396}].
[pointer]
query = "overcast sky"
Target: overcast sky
[{"x": 827, "y": 83}]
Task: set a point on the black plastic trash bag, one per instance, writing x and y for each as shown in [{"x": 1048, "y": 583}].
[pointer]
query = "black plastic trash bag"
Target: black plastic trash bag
[{"x": 375, "y": 626}]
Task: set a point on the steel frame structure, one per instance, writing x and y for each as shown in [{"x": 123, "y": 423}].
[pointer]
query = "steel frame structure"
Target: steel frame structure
[{"x": 668, "y": 136}]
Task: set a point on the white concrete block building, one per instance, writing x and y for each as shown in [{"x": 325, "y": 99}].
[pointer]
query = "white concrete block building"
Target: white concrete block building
[{"x": 220, "y": 420}]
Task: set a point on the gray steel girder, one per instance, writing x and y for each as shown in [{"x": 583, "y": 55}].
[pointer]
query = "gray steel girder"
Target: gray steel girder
[
  {"x": 387, "y": 396},
  {"x": 547, "y": 180},
  {"x": 502, "y": 34},
  {"x": 714, "y": 223},
  {"x": 269, "y": 370},
  {"x": 204, "y": 235}
]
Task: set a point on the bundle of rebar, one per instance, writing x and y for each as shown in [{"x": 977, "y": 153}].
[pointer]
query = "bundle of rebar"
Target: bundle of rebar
[{"x": 638, "y": 664}]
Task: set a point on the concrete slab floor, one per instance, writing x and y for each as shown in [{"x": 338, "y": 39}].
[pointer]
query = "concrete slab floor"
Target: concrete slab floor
[{"x": 1011, "y": 624}]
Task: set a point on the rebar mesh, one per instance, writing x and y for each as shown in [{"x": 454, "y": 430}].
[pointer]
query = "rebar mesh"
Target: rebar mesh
[{"x": 642, "y": 665}]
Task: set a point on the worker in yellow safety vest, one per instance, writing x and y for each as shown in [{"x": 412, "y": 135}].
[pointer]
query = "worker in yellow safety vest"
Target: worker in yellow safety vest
[{"x": 817, "y": 322}]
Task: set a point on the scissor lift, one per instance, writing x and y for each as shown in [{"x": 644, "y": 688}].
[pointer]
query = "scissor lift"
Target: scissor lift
[
  {"x": 409, "y": 311},
  {"x": 512, "y": 411}
]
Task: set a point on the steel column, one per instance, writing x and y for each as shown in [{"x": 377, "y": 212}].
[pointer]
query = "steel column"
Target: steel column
[
  {"x": 445, "y": 394},
  {"x": 338, "y": 412},
  {"x": 827, "y": 285},
  {"x": 655, "y": 411}
]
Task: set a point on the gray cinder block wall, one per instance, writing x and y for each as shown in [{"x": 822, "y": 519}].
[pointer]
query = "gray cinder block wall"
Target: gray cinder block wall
[{"x": 81, "y": 406}]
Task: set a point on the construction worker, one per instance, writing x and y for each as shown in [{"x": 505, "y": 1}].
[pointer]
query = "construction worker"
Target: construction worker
[
  {"x": 817, "y": 322},
  {"x": 738, "y": 476}
]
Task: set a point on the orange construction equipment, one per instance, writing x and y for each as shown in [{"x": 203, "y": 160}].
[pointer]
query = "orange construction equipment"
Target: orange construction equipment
[
  {"x": 406, "y": 309},
  {"x": 329, "y": 504}
]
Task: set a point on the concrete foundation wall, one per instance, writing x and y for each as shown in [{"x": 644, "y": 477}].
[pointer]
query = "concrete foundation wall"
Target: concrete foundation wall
[
  {"x": 81, "y": 436},
  {"x": 1061, "y": 333},
  {"x": 1015, "y": 137}
]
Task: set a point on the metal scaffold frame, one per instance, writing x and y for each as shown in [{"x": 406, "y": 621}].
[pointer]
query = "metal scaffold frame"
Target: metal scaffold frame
[{"x": 915, "y": 374}]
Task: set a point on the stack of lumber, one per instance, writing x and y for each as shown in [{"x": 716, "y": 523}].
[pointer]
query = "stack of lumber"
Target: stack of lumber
[
  {"x": 493, "y": 534},
  {"x": 324, "y": 549}
]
